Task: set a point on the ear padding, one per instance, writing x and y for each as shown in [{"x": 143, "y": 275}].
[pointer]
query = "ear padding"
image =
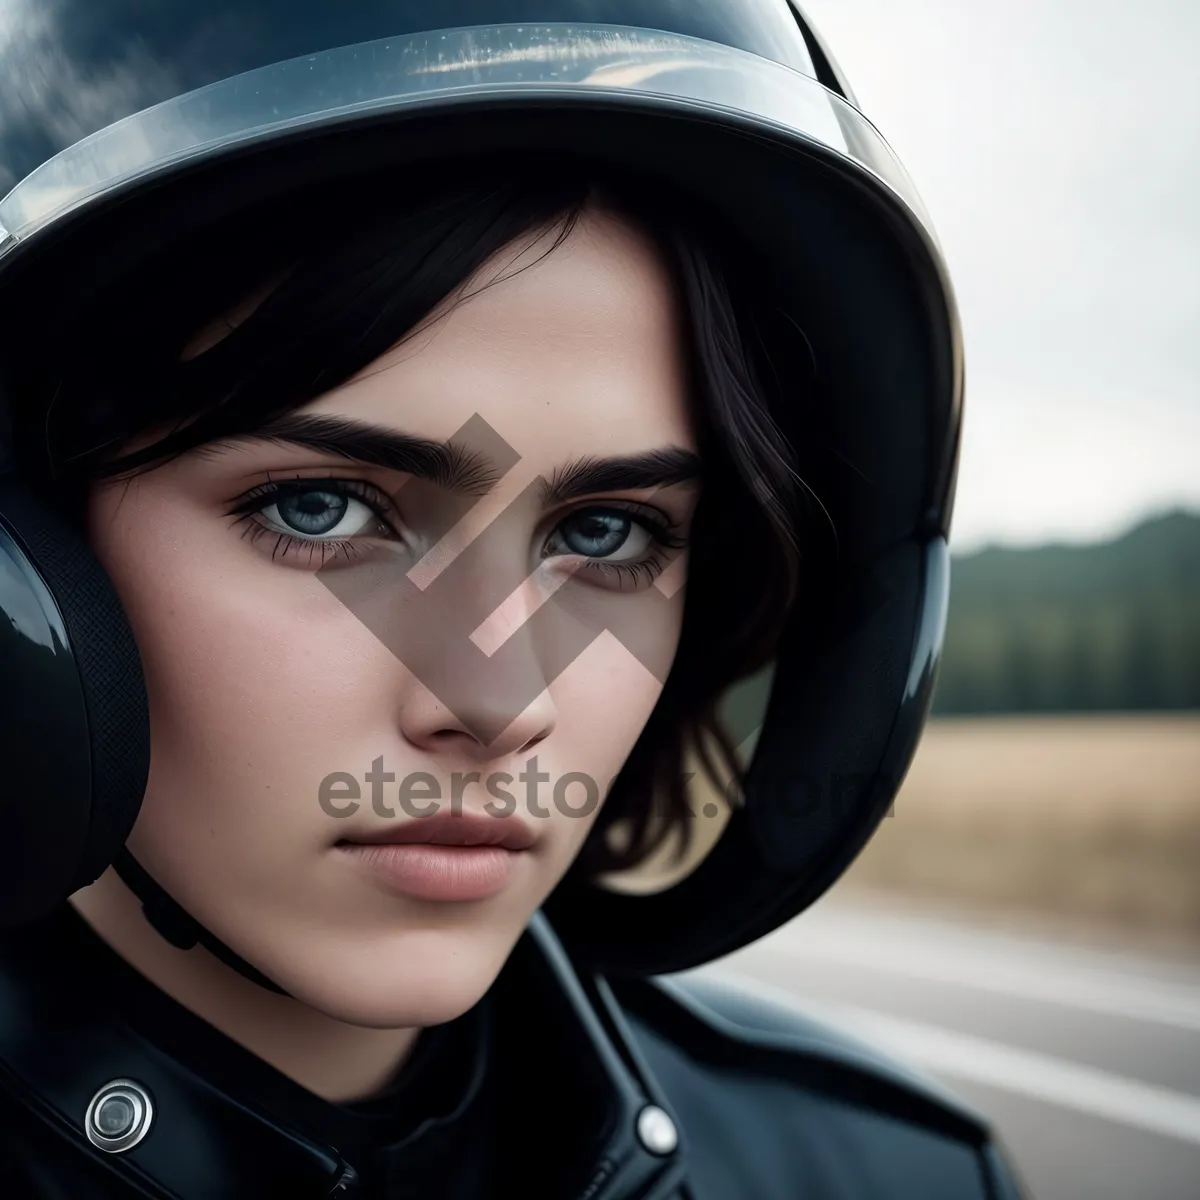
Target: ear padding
[{"x": 74, "y": 718}]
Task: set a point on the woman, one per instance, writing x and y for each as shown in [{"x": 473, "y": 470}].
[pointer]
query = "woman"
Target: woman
[{"x": 415, "y": 462}]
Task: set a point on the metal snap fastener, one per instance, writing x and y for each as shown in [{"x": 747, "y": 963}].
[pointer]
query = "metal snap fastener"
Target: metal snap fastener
[
  {"x": 347, "y": 1182},
  {"x": 656, "y": 1131},
  {"x": 118, "y": 1116}
]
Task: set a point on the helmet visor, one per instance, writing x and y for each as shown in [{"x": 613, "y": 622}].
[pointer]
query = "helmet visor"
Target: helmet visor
[{"x": 561, "y": 64}]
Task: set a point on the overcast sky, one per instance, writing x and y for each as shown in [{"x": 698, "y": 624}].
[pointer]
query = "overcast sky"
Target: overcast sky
[{"x": 1057, "y": 145}]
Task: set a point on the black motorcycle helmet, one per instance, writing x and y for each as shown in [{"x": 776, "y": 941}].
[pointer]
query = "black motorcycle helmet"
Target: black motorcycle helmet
[{"x": 127, "y": 124}]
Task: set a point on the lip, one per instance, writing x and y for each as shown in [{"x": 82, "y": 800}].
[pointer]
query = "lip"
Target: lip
[
  {"x": 448, "y": 829},
  {"x": 443, "y": 857}
]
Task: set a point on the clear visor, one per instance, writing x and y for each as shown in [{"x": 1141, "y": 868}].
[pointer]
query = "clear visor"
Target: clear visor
[{"x": 558, "y": 64}]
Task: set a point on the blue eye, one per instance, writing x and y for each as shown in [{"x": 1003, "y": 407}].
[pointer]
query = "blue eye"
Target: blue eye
[
  {"x": 325, "y": 518},
  {"x": 318, "y": 513},
  {"x": 601, "y": 533}
]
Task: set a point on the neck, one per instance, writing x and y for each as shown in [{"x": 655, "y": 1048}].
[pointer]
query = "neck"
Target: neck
[{"x": 336, "y": 1061}]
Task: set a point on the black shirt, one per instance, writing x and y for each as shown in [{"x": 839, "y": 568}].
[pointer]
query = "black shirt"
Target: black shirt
[{"x": 434, "y": 1107}]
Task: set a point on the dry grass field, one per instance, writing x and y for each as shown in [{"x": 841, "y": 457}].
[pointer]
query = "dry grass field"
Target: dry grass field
[{"x": 1092, "y": 818}]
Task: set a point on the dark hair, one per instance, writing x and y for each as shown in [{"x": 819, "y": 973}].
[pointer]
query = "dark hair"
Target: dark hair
[{"x": 345, "y": 297}]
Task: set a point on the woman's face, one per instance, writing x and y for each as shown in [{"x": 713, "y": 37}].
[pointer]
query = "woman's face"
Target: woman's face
[{"x": 333, "y": 647}]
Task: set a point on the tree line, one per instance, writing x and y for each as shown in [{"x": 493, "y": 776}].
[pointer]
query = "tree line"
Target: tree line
[{"x": 1112, "y": 626}]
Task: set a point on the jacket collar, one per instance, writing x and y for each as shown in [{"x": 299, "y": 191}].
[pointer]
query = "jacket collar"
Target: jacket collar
[{"x": 566, "y": 1086}]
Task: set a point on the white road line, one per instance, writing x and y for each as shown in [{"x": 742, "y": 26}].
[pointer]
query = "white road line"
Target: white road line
[
  {"x": 980, "y": 1060},
  {"x": 1110, "y": 993}
]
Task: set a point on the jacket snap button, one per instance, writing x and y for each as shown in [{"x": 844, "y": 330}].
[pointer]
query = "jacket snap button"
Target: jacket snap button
[
  {"x": 118, "y": 1116},
  {"x": 656, "y": 1131}
]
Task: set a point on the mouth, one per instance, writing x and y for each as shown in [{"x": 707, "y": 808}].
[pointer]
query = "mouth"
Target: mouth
[
  {"x": 442, "y": 857},
  {"x": 449, "y": 829}
]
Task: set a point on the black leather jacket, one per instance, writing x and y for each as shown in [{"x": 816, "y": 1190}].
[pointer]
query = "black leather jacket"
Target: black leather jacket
[{"x": 544, "y": 1096}]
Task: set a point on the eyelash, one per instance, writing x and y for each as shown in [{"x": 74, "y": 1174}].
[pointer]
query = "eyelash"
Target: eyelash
[
  {"x": 259, "y": 497},
  {"x": 664, "y": 537},
  {"x": 251, "y": 503}
]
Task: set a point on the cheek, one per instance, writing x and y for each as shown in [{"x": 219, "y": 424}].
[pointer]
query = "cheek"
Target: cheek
[
  {"x": 256, "y": 675},
  {"x": 603, "y": 701}
]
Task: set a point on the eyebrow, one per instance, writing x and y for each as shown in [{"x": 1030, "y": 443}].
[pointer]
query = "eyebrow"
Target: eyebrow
[
  {"x": 447, "y": 464},
  {"x": 650, "y": 469},
  {"x": 453, "y": 466}
]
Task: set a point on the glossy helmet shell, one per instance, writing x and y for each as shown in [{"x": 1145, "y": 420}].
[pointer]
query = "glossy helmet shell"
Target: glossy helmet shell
[{"x": 128, "y": 125}]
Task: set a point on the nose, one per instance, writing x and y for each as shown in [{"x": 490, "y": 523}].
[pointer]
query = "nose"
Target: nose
[
  {"x": 471, "y": 696},
  {"x": 468, "y": 702},
  {"x": 481, "y": 728}
]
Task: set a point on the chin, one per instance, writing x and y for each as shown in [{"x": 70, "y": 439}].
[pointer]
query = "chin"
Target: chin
[{"x": 415, "y": 981}]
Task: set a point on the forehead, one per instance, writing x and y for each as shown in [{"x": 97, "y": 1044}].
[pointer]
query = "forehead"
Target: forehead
[{"x": 575, "y": 349}]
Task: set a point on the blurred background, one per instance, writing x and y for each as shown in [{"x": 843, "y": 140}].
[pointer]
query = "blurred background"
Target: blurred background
[{"x": 1027, "y": 925}]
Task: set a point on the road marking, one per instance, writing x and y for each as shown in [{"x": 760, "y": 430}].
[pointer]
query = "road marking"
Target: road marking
[
  {"x": 994, "y": 1064},
  {"x": 1108, "y": 992}
]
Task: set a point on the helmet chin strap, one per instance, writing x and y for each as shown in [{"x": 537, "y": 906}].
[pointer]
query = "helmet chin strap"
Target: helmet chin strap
[{"x": 176, "y": 926}]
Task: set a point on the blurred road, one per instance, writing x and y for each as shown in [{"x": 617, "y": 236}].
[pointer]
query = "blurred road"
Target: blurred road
[{"x": 1087, "y": 1062}]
